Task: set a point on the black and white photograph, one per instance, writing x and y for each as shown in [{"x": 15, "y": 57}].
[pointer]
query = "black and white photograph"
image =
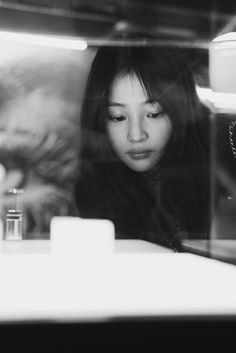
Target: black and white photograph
[{"x": 117, "y": 175}]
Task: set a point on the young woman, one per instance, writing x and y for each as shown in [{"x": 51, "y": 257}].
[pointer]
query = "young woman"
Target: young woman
[{"x": 143, "y": 156}]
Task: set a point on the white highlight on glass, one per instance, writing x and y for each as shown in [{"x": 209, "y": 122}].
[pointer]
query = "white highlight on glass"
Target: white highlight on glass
[{"x": 51, "y": 41}]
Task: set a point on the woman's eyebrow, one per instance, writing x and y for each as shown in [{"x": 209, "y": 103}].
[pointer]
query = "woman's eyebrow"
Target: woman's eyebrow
[
  {"x": 146, "y": 102},
  {"x": 151, "y": 101},
  {"x": 115, "y": 104}
]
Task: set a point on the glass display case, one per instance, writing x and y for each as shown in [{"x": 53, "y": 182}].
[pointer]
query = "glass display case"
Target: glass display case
[
  {"x": 221, "y": 100},
  {"x": 42, "y": 87}
]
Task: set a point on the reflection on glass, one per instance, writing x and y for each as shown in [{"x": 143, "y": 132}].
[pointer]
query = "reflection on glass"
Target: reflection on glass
[
  {"x": 221, "y": 100},
  {"x": 40, "y": 93}
]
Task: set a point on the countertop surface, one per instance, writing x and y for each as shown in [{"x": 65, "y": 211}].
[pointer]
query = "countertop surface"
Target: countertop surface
[{"x": 138, "y": 279}]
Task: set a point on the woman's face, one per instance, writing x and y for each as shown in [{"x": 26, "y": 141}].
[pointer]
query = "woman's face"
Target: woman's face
[{"x": 138, "y": 128}]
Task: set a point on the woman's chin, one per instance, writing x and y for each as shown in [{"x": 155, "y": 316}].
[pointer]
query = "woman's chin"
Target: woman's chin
[{"x": 139, "y": 167}]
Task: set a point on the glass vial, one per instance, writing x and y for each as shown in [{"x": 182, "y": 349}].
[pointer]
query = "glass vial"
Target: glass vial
[{"x": 14, "y": 214}]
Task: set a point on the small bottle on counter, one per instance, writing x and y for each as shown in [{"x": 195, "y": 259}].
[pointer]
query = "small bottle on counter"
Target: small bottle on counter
[{"x": 14, "y": 214}]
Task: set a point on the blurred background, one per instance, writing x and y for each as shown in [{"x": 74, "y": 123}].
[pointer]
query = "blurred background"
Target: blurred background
[{"x": 41, "y": 86}]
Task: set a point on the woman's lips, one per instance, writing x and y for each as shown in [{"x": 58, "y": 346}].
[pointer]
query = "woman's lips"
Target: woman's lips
[{"x": 137, "y": 155}]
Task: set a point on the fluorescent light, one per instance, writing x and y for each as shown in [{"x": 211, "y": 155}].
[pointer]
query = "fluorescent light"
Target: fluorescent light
[
  {"x": 50, "y": 41},
  {"x": 225, "y": 101},
  {"x": 222, "y": 69},
  {"x": 219, "y": 100},
  {"x": 204, "y": 93},
  {"x": 231, "y": 36}
]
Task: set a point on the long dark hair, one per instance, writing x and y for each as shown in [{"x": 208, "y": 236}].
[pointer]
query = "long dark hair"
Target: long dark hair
[{"x": 179, "y": 183}]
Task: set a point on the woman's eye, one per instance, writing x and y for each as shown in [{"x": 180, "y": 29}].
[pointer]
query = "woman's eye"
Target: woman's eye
[
  {"x": 116, "y": 118},
  {"x": 155, "y": 115}
]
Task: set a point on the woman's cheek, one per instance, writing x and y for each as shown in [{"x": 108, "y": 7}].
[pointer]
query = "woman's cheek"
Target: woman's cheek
[{"x": 117, "y": 136}]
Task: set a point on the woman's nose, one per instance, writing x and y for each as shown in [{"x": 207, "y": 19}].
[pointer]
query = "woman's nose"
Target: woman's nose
[{"x": 137, "y": 132}]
